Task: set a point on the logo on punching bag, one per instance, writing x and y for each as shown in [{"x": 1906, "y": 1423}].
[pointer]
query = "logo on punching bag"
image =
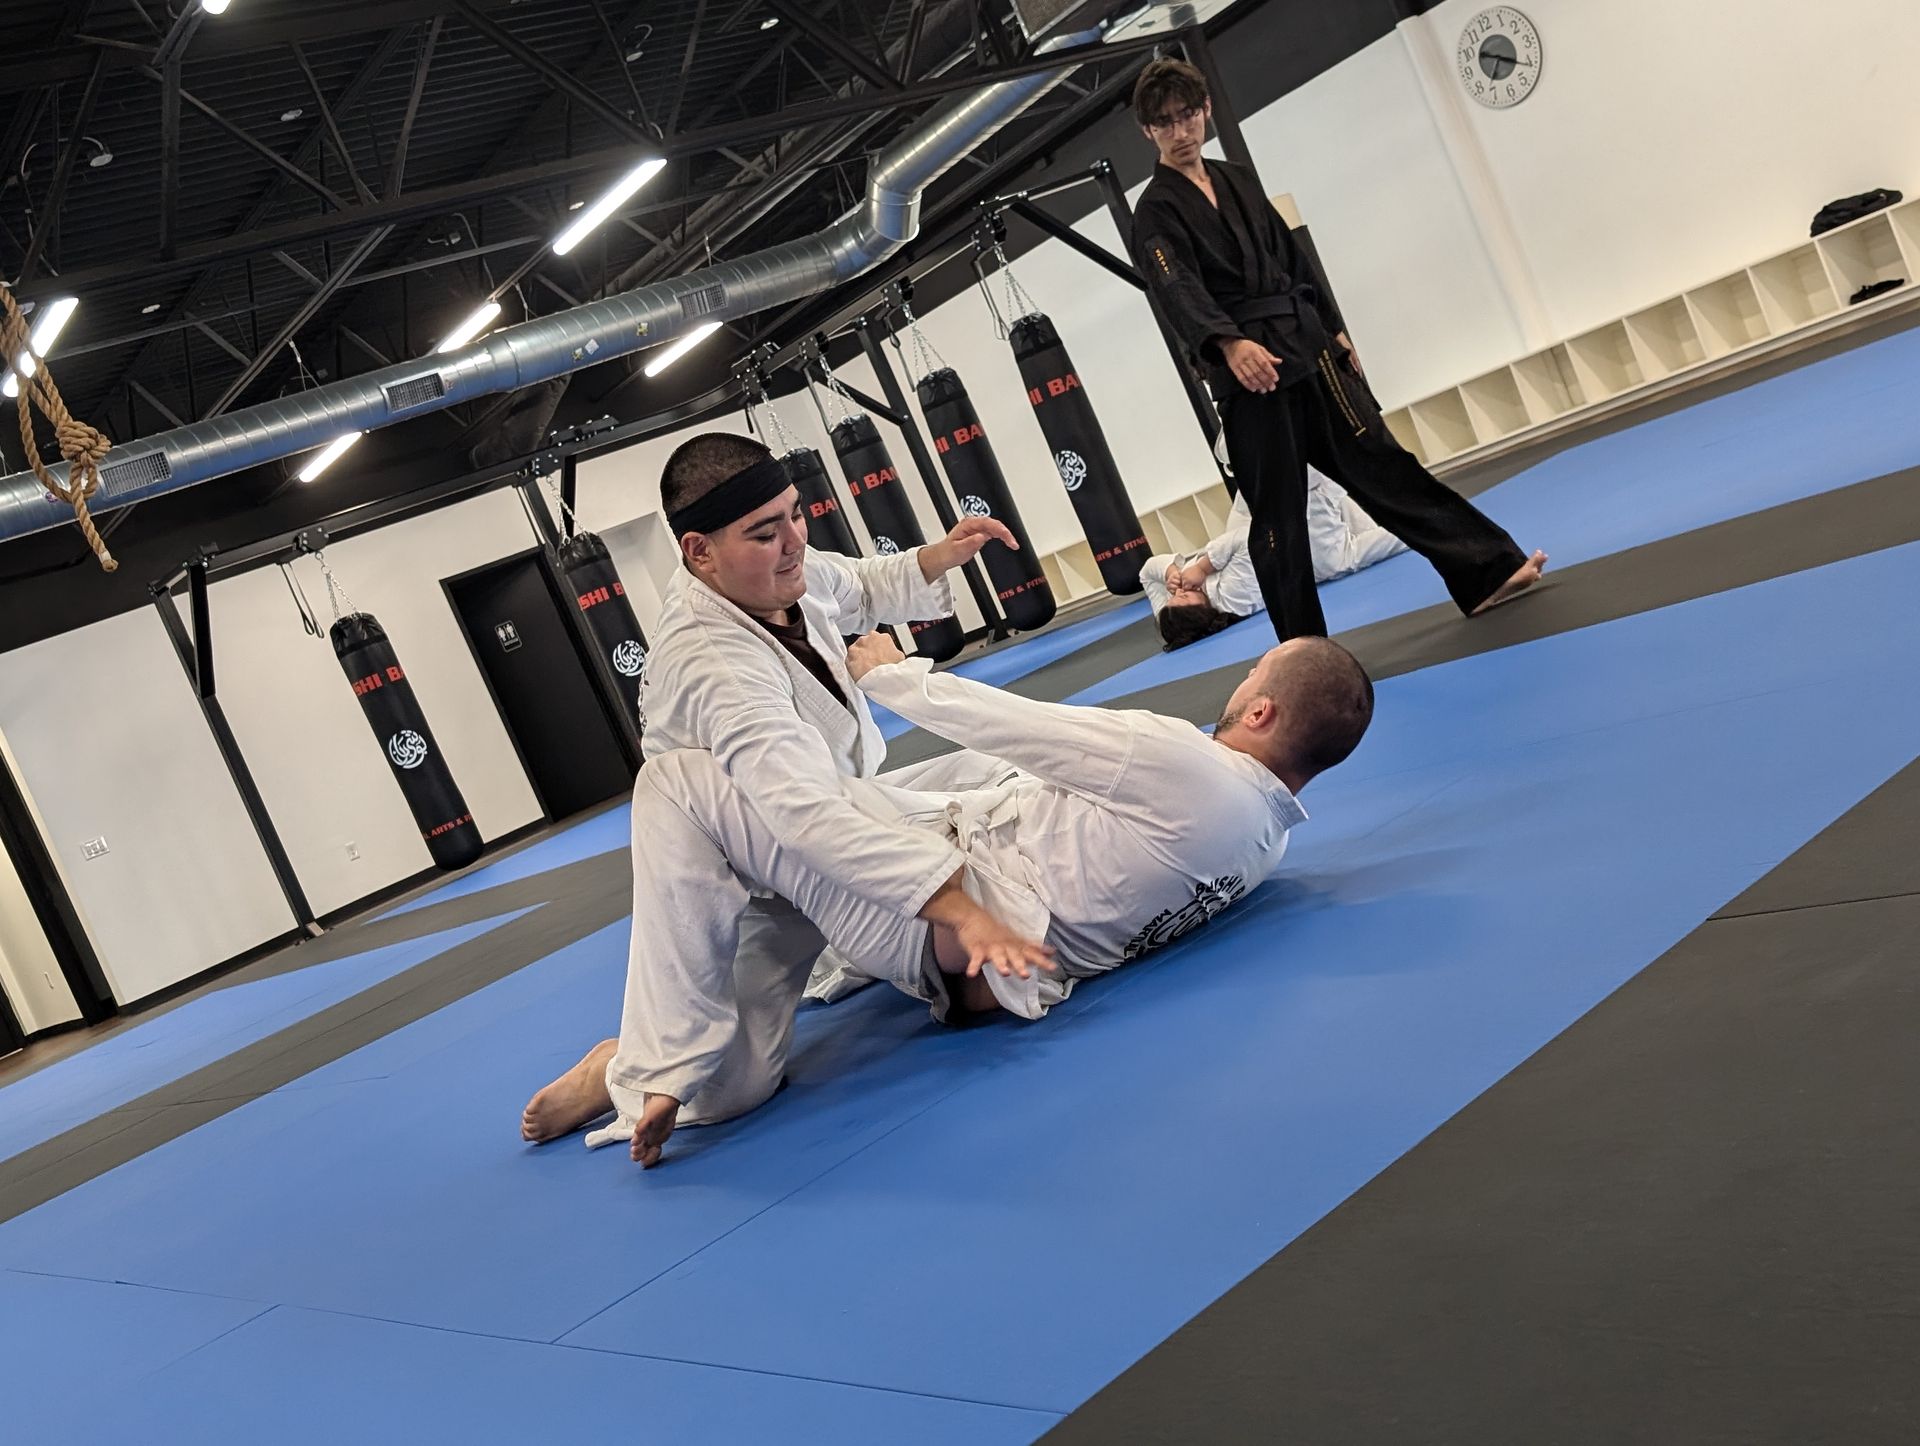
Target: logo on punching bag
[
  {"x": 885, "y": 546},
  {"x": 629, "y": 658},
  {"x": 975, "y": 507},
  {"x": 1073, "y": 469},
  {"x": 407, "y": 749}
]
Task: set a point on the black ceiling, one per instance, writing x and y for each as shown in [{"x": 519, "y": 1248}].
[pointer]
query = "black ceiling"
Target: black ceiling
[{"x": 307, "y": 217}]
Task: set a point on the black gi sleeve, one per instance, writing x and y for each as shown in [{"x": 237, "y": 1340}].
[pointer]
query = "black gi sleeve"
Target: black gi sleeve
[{"x": 1165, "y": 256}]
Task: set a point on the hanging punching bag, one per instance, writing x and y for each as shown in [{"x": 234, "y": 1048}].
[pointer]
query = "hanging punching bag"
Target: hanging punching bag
[
  {"x": 827, "y": 525},
  {"x": 1026, "y": 597},
  {"x": 587, "y": 566},
  {"x": 882, "y": 500},
  {"x": 1080, "y": 452},
  {"x": 371, "y": 666}
]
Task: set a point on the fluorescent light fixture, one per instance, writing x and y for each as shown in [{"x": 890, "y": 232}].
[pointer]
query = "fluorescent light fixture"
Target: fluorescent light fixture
[
  {"x": 53, "y": 318},
  {"x": 215, "y": 7},
  {"x": 482, "y": 319},
  {"x": 672, "y": 353},
  {"x": 615, "y": 197},
  {"x": 328, "y": 455},
  {"x": 770, "y": 22}
]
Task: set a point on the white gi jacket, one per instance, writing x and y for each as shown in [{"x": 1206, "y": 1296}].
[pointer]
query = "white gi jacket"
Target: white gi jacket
[
  {"x": 1343, "y": 539},
  {"x": 717, "y": 680},
  {"x": 1124, "y": 830}
]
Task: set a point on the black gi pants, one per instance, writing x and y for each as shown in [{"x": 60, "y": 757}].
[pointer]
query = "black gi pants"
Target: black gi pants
[{"x": 1328, "y": 421}]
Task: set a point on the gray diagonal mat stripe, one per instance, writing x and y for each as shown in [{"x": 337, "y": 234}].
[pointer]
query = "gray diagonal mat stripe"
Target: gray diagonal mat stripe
[
  {"x": 1688, "y": 1218},
  {"x": 579, "y": 899},
  {"x": 1793, "y": 537}
]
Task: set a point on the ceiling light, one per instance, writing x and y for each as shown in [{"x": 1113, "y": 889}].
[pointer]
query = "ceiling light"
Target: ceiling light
[
  {"x": 770, "y": 22},
  {"x": 294, "y": 114},
  {"x": 576, "y": 205},
  {"x": 615, "y": 197},
  {"x": 671, "y": 354},
  {"x": 101, "y": 157},
  {"x": 215, "y": 7},
  {"x": 150, "y": 308},
  {"x": 634, "y": 54},
  {"x": 40, "y": 340},
  {"x": 330, "y": 454},
  {"x": 481, "y": 320}
]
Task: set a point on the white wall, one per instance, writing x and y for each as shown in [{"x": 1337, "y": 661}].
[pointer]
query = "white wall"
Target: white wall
[
  {"x": 317, "y": 764},
  {"x": 109, "y": 741},
  {"x": 29, "y": 973},
  {"x": 1671, "y": 141}
]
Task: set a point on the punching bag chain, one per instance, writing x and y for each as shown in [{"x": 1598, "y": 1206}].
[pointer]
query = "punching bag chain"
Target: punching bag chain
[
  {"x": 1019, "y": 304},
  {"x": 926, "y": 357},
  {"x": 336, "y": 594},
  {"x": 82, "y": 445}
]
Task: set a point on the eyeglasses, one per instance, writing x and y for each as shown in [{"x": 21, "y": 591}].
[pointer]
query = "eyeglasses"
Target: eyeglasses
[{"x": 1179, "y": 120}]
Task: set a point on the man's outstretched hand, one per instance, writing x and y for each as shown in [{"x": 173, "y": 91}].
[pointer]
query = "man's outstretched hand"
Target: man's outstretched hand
[
  {"x": 990, "y": 944},
  {"x": 962, "y": 544},
  {"x": 1253, "y": 366},
  {"x": 656, "y": 1124},
  {"x": 875, "y": 650}
]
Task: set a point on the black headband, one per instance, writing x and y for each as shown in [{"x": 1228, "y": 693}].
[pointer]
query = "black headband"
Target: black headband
[{"x": 733, "y": 499}]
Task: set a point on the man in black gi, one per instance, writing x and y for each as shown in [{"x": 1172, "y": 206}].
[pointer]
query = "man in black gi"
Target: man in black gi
[{"x": 1258, "y": 318}]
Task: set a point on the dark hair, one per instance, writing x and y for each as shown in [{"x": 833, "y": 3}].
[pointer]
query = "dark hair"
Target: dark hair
[
  {"x": 1163, "y": 81},
  {"x": 1183, "y": 623},
  {"x": 1328, "y": 699},
  {"x": 702, "y": 464}
]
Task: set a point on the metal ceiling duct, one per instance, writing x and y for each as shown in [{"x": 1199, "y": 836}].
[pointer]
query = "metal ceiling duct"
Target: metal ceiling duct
[{"x": 551, "y": 346}]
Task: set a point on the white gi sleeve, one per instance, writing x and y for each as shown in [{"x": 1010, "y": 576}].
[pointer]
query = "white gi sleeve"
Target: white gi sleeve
[
  {"x": 784, "y": 766},
  {"x": 1084, "y": 750},
  {"x": 1153, "y": 578},
  {"x": 1233, "y": 541},
  {"x": 868, "y": 592}
]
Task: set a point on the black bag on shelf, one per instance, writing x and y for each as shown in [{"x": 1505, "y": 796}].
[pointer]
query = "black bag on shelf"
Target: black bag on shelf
[{"x": 1852, "y": 208}]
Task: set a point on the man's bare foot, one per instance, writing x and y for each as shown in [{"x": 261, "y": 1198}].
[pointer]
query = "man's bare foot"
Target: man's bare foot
[
  {"x": 1525, "y": 578},
  {"x": 578, "y": 1096}
]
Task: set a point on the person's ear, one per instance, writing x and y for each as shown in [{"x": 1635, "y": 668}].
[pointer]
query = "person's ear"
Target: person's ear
[{"x": 696, "y": 548}]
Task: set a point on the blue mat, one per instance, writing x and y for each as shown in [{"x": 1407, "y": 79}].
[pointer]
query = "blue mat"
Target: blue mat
[
  {"x": 127, "y": 1065},
  {"x": 1009, "y": 1215},
  {"x": 602, "y": 833},
  {"x": 1010, "y": 662},
  {"x": 1809, "y": 431}
]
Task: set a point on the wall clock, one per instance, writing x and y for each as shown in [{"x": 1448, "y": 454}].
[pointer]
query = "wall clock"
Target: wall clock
[{"x": 1498, "y": 58}]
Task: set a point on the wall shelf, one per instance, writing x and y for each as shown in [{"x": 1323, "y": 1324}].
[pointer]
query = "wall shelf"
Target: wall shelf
[{"x": 1767, "y": 302}]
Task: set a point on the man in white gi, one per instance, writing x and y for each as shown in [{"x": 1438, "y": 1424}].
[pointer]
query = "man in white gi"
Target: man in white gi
[
  {"x": 1121, "y": 831},
  {"x": 749, "y": 663},
  {"x": 1195, "y": 594}
]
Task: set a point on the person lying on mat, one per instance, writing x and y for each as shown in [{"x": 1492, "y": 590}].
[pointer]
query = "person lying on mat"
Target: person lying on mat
[
  {"x": 1121, "y": 831},
  {"x": 1196, "y": 594},
  {"x": 749, "y": 663}
]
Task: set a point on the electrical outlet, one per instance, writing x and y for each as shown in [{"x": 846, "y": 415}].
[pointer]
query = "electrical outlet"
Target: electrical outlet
[
  {"x": 94, "y": 848},
  {"x": 353, "y": 851}
]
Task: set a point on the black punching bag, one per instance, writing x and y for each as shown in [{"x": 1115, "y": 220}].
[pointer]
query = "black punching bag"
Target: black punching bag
[
  {"x": 1080, "y": 452},
  {"x": 827, "y": 525},
  {"x": 584, "y": 562},
  {"x": 371, "y": 666},
  {"x": 1018, "y": 580},
  {"x": 877, "y": 492}
]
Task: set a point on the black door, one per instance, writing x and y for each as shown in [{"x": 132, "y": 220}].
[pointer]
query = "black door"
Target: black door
[{"x": 511, "y": 615}]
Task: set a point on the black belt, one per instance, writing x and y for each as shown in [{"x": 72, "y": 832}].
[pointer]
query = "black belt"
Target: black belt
[{"x": 1266, "y": 308}]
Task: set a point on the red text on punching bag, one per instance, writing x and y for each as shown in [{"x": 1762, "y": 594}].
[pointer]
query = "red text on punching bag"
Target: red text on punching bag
[
  {"x": 601, "y": 594},
  {"x": 873, "y": 480},
  {"x": 364, "y": 686},
  {"x": 1054, "y": 387},
  {"x": 821, "y": 509},
  {"x": 961, "y": 436}
]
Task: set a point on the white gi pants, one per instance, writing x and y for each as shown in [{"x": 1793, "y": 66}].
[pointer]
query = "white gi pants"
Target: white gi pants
[{"x": 717, "y": 966}]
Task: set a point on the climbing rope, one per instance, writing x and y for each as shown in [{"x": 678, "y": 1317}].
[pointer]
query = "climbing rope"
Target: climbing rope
[{"x": 82, "y": 446}]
